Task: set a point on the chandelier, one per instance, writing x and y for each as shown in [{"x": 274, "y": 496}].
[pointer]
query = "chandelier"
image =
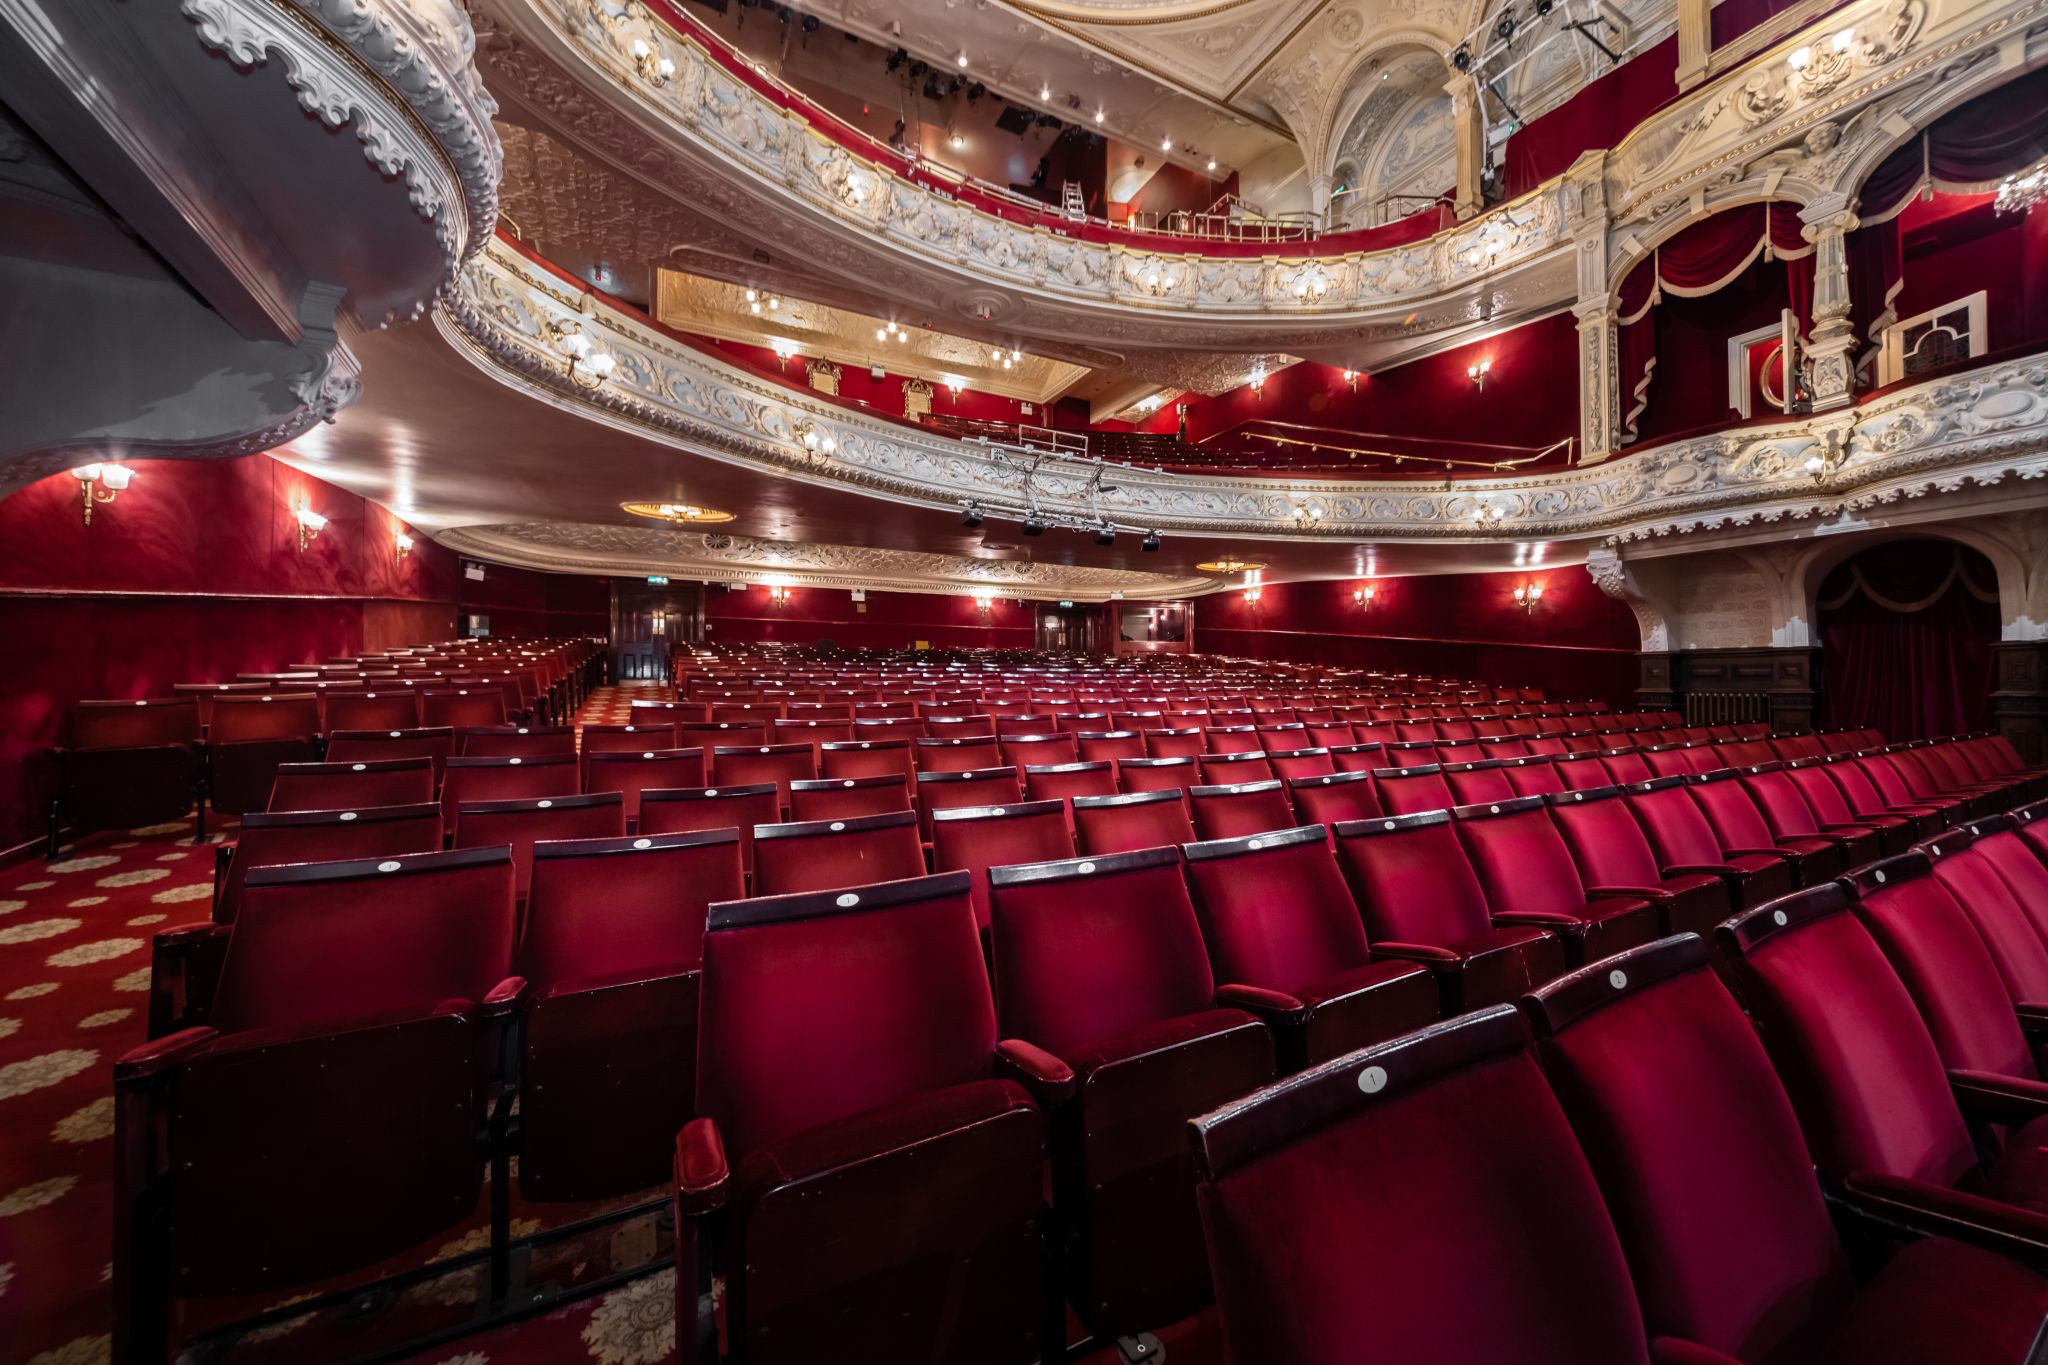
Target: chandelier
[{"x": 2021, "y": 192}]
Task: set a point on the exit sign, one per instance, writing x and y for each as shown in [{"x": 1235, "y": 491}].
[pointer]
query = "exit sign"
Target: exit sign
[{"x": 657, "y": 580}]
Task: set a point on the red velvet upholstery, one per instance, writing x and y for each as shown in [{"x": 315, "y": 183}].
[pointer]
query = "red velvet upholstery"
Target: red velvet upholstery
[
  {"x": 963, "y": 754},
  {"x": 632, "y": 772},
  {"x": 518, "y": 741},
  {"x": 461, "y": 707},
  {"x": 851, "y": 1090},
  {"x": 952, "y": 790},
  {"x": 1867, "y": 803},
  {"x": 1533, "y": 776},
  {"x": 685, "y": 809},
  {"x": 272, "y": 840},
  {"x": 354, "y": 746},
  {"x": 1410, "y": 791},
  {"x": 506, "y": 779},
  {"x": 1290, "y": 764},
  {"x": 1276, "y": 915},
  {"x": 1333, "y": 798},
  {"x": 1419, "y": 896},
  {"x": 1096, "y": 746},
  {"x": 1613, "y": 854},
  {"x": 1352, "y": 1212},
  {"x": 1224, "y": 812},
  {"x": 1234, "y": 769},
  {"x": 246, "y": 740},
  {"x": 825, "y": 855},
  {"x": 352, "y": 786},
  {"x": 130, "y": 763},
  {"x": 519, "y": 824},
  {"x": 1892, "y": 787},
  {"x": 1156, "y": 774},
  {"x": 1582, "y": 772},
  {"x": 391, "y": 709},
  {"x": 1036, "y": 750},
  {"x": 1065, "y": 781},
  {"x": 1100, "y": 962},
  {"x": 1786, "y": 811},
  {"x": 1120, "y": 824},
  {"x": 1699, "y": 1155},
  {"x": 973, "y": 839},
  {"x": 613, "y": 939},
  {"x": 751, "y": 765},
  {"x": 1740, "y": 828},
  {"x": 1174, "y": 743},
  {"x": 2001, "y": 841},
  {"x": 840, "y": 798},
  {"x": 868, "y": 758},
  {"x": 1830, "y": 809},
  {"x": 1486, "y": 780},
  {"x": 319, "y": 944},
  {"x": 1530, "y": 879},
  {"x": 1986, "y": 897},
  {"x": 627, "y": 739},
  {"x": 1684, "y": 843}
]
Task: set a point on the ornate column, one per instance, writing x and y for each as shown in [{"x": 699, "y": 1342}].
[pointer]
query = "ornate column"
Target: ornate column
[
  {"x": 1468, "y": 135},
  {"x": 1830, "y": 351},
  {"x": 1319, "y": 199},
  {"x": 1585, "y": 206},
  {"x": 1695, "y": 41},
  {"x": 1657, "y": 690}
]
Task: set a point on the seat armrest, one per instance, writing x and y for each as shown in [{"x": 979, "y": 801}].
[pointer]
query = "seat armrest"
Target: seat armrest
[
  {"x": 1049, "y": 1080},
  {"x": 1679, "y": 1351},
  {"x": 1755, "y": 853},
  {"x": 1429, "y": 955},
  {"x": 184, "y": 968},
  {"x": 158, "y": 1055},
  {"x": 504, "y": 1000},
  {"x": 1269, "y": 1007},
  {"x": 1641, "y": 893},
  {"x": 2033, "y": 1020},
  {"x": 223, "y": 854},
  {"x": 1701, "y": 870},
  {"x": 1925, "y": 1210},
  {"x": 1538, "y": 919},
  {"x": 703, "y": 1180},
  {"x": 1988, "y": 1097}
]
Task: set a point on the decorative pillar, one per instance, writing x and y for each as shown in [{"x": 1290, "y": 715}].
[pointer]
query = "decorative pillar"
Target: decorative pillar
[
  {"x": 1468, "y": 135},
  {"x": 1319, "y": 200},
  {"x": 1599, "y": 383},
  {"x": 1695, "y": 41},
  {"x": 1830, "y": 351},
  {"x": 1657, "y": 690}
]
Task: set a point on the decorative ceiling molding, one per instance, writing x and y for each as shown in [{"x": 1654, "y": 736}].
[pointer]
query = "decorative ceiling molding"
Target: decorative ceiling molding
[
  {"x": 401, "y": 73},
  {"x": 577, "y": 547},
  {"x": 1983, "y": 427}
]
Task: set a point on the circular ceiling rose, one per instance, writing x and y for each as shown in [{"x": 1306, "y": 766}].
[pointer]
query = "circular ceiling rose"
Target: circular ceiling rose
[{"x": 677, "y": 513}]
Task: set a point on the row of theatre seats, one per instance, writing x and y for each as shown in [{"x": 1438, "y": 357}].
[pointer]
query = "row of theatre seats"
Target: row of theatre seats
[
  {"x": 218, "y": 744},
  {"x": 926, "y": 1100}
]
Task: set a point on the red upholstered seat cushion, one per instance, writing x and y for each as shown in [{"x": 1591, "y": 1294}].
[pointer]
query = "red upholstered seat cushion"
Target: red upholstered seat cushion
[
  {"x": 1939, "y": 1300},
  {"x": 2020, "y": 1175}
]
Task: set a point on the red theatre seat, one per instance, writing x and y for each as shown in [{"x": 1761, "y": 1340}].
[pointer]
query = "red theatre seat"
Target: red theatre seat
[
  {"x": 129, "y": 763},
  {"x": 973, "y": 839},
  {"x": 824, "y": 855},
  {"x": 352, "y": 786},
  {"x": 1121, "y": 824},
  {"x": 248, "y": 737},
  {"x": 505, "y": 779},
  {"x": 859, "y": 1171},
  {"x": 520, "y": 824},
  {"x": 1615, "y": 858},
  {"x": 1530, "y": 879},
  {"x": 635, "y": 771},
  {"x": 682, "y": 810},
  {"x": 1100, "y": 962},
  {"x": 1224, "y": 812},
  {"x": 613, "y": 940},
  {"x": 1333, "y": 798},
  {"x": 273, "y": 839},
  {"x": 1684, "y": 843},
  {"x": 518, "y": 741},
  {"x": 1706, "y": 1177},
  {"x": 1280, "y": 924},
  {"x": 837, "y": 798}
]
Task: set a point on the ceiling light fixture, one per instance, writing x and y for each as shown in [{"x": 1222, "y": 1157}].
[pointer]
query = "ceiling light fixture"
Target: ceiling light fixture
[
  {"x": 1212, "y": 163},
  {"x": 1044, "y": 92},
  {"x": 961, "y": 60},
  {"x": 1166, "y": 144},
  {"x": 1100, "y": 115},
  {"x": 676, "y": 513}
]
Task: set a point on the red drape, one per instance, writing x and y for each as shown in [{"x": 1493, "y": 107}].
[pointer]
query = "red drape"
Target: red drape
[
  {"x": 1700, "y": 260},
  {"x": 1876, "y": 273},
  {"x": 1600, "y": 115},
  {"x": 1965, "y": 150},
  {"x": 1906, "y": 631}
]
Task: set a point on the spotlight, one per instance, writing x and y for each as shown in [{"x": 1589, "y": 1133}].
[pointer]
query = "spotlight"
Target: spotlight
[
  {"x": 1543, "y": 8},
  {"x": 896, "y": 59},
  {"x": 976, "y": 91},
  {"x": 1044, "y": 92},
  {"x": 1107, "y": 535},
  {"x": 811, "y": 24},
  {"x": 961, "y": 60},
  {"x": 1100, "y": 115},
  {"x": 918, "y": 69},
  {"x": 1032, "y": 525},
  {"x": 1212, "y": 163},
  {"x": 934, "y": 88},
  {"x": 1462, "y": 58},
  {"x": 972, "y": 517},
  {"x": 1505, "y": 29},
  {"x": 1150, "y": 544}
]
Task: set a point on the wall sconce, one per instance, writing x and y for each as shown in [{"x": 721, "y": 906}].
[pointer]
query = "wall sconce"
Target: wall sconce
[
  {"x": 1351, "y": 380},
  {"x": 1527, "y": 595},
  {"x": 401, "y": 544},
  {"x": 588, "y": 364},
  {"x": 1258, "y": 381},
  {"x": 984, "y": 601},
  {"x": 311, "y": 524},
  {"x": 954, "y": 383},
  {"x": 1487, "y": 514},
  {"x": 1307, "y": 513},
  {"x": 100, "y": 483},
  {"x": 1363, "y": 596},
  {"x": 1827, "y": 459},
  {"x": 654, "y": 67},
  {"x": 1252, "y": 595},
  {"x": 784, "y": 348},
  {"x": 1478, "y": 370},
  {"x": 817, "y": 442},
  {"x": 778, "y": 593}
]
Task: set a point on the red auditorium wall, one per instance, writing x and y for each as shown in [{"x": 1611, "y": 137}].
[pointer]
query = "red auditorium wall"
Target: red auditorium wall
[
  {"x": 893, "y": 620},
  {"x": 1578, "y": 642},
  {"x": 194, "y": 573}
]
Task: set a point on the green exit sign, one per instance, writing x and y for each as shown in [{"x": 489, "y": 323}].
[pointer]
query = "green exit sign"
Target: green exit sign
[{"x": 657, "y": 580}]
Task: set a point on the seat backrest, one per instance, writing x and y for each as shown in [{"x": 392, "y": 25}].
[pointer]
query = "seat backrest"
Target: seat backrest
[
  {"x": 824, "y": 855},
  {"x": 1156, "y": 774},
  {"x": 1521, "y": 859},
  {"x": 1818, "y": 790},
  {"x": 1706, "y": 1177},
  {"x": 1972, "y": 879},
  {"x": 135, "y": 724},
  {"x": 631, "y": 772},
  {"x": 521, "y": 741},
  {"x": 395, "y": 708},
  {"x": 973, "y": 839},
  {"x": 2000, "y": 842},
  {"x": 1135, "y": 820},
  {"x": 1274, "y": 908},
  {"x": 1224, "y": 812},
  {"x": 839, "y": 798},
  {"x": 818, "y": 1007},
  {"x": 1625, "y": 766},
  {"x": 1533, "y": 775},
  {"x": 352, "y": 786},
  {"x": 1334, "y": 797},
  {"x": 1667, "y": 760},
  {"x": 506, "y": 779},
  {"x": 600, "y": 907},
  {"x": 436, "y": 745},
  {"x": 1852, "y": 778},
  {"x": 937, "y": 791},
  {"x": 749, "y": 764},
  {"x": 1411, "y": 879},
  {"x": 1233, "y": 769},
  {"x": 1087, "y": 949},
  {"x": 1891, "y": 787},
  {"x": 1864, "y": 1075},
  {"x": 1678, "y": 830},
  {"x": 1410, "y": 791},
  {"x": 868, "y": 758},
  {"x": 320, "y": 944},
  {"x": 1095, "y": 746},
  {"x": 680, "y": 810},
  {"x": 959, "y": 754},
  {"x": 1608, "y": 845},
  {"x": 462, "y": 707},
  {"x": 273, "y": 839},
  {"x": 1780, "y": 799},
  {"x": 1730, "y": 811},
  {"x": 520, "y": 824},
  {"x": 1581, "y": 772},
  {"x": 1064, "y": 781},
  {"x": 638, "y": 737},
  {"x": 1361, "y": 1201},
  {"x": 1186, "y": 742},
  {"x": 237, "y": 718},
  {"x": 1485, "y": 780}
]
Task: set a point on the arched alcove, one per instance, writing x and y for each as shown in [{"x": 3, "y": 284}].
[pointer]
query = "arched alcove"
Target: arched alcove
[{"x": 1906, "y": 630}]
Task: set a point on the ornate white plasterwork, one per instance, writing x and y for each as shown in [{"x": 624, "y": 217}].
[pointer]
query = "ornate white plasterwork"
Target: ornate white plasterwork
[
  {"x": 584, "y": 547},
  {"x": 402, "y": 72},
  {"x": 1982, "y": 427}
]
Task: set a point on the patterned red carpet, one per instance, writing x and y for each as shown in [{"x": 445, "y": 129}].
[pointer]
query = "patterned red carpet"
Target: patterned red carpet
[{"x": 74, "y": 977}]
